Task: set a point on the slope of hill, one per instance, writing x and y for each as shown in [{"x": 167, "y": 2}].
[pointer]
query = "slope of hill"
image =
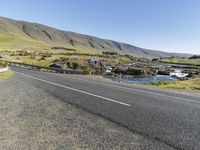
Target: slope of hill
[{"x": 20, "y": 34}]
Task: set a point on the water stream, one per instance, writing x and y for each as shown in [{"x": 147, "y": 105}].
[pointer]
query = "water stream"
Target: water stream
[{"x": 141, "y": 80}]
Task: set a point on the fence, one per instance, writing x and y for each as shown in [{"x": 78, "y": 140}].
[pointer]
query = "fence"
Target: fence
[{"x": 37, "y": 67}]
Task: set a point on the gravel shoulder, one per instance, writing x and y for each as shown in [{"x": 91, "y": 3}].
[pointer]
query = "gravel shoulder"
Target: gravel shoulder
[{"x": 31, "y": 118}]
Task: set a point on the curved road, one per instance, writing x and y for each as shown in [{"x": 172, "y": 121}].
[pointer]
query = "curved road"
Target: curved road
[{"x": 169, "y": 117}]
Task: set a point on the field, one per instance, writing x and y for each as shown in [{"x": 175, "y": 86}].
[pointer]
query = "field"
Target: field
[
  {"x": 191, "y": 84},
  {"x": 184, "y": 61}
]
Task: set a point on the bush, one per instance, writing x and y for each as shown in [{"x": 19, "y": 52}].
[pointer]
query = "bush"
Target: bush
[
  {"x": 110, "y": 53},
  {"x": 13, "y": 54},
  {"x": 87, "y": 71},
  {"x": 75, "y": 66},
  {"x": 134, "y": 71},
  {"x": 42, "y": 58},
  {"x": 158, "y": 83},
  {"x": 64, "y": 48},
  {"x": 195, "y": 57},
  {"x": 24, "y": 53},
  {"x": 130, "y": 57},
  {"x": 68, "y": 64},
  {"x": 119, "y": 71},
  {"x": 46, "y": 54}
]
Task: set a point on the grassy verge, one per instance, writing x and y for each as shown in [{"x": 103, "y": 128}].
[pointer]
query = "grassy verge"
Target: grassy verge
[
  {"x": 192, "y": 84},
  {"x": 181, "y": 61},
  {"x": 7, "y": 74}
]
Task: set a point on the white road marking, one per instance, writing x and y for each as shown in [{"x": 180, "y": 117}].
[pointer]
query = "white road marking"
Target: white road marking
[
  {"x": 73, "y": 89},
  {"x": 137, "y": 90}
]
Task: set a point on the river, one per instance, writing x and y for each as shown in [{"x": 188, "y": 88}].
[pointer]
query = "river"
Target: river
[{"x": 141, "y": 80}]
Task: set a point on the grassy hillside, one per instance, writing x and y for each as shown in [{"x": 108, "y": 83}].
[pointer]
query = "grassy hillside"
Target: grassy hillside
[{"x": 19, "y": 35}]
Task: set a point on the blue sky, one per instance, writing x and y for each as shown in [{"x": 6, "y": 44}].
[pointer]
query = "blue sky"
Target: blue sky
[{"x": 168, "y": 25}]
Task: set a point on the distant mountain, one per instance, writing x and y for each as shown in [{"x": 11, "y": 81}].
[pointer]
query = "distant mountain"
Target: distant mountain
[{"x": 21, "y": 34}]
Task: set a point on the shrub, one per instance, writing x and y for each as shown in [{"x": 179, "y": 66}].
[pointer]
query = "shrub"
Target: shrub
[
  {"x": 87, "y": 71},
  {"x": 42, "y": 58},
  {"x": 75, "y": 65},
  {"x": 119, "y": 71},
  {"x": 68, "y": 64},
  {"x": 64, "y": 48},
  {"x": 13, "y": 54},
  {"x": 195, "y": 57},
  {"x": 110, "y": 53},
  {"x": 46, "y": 54},
  {"x": 24, "y": 53},
  {"x": 134, "y": 71},
  {"x": 160, "y": 83}
]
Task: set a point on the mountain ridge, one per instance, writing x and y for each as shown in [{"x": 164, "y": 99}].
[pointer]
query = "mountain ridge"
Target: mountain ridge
[{"x": 23, "y": 30}]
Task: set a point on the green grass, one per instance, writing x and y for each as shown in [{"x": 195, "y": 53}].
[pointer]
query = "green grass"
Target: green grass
[
  {"x": 191, "y": 84},
  {"x": 181, "y": 61},
  {"x": 7, "y": 74},
  {"x": 161, "y": 83},
  {"x": 21, "y": 41},
  {"x": 81, "y": 58}
]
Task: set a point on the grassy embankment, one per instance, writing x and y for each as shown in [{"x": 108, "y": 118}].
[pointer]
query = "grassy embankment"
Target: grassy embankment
[
  {"x": 191, "y": 84},
  {"x": 175, "y": 60},
  {"x": 7, "y": 74}
]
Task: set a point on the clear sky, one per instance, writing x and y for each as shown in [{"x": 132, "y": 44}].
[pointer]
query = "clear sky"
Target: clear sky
[{"x": 168, "y": 25}]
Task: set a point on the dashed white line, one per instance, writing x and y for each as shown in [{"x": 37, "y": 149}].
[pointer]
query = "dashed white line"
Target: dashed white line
[
  {"x": 73, "y": 89},
  {"x": 141, "y": 91}
]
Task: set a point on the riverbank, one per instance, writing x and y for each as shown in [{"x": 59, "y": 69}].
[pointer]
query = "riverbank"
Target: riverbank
[{"x": 191, "y": 84}]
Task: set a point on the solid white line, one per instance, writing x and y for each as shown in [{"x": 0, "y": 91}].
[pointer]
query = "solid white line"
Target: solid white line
[
  {"x": 73, "y": 89},
  {"x": 137, "y": 90}
]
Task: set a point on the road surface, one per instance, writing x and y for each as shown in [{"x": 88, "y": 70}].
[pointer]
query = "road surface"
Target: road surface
[{"x": 168, "y": 117}]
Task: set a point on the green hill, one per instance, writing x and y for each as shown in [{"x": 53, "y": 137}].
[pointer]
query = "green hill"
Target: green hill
[{"x": 19, "y": 35}]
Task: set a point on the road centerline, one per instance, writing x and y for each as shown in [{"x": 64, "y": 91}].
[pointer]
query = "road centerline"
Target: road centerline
[
  {"x": 73, "y": 89},
  {"x": 178, "y": 99}
]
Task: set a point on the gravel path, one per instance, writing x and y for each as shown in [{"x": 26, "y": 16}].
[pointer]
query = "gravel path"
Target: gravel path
[{"x": 31, "y": 118}]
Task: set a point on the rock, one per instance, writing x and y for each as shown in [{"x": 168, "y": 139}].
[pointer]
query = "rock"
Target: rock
[
  {"x": 55, "y": 66},
  {"x": 163, "y": 72},
  {"x": 134, "y": 71}
]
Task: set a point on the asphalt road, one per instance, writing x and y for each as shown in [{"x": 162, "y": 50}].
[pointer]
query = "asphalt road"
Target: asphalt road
[{"x": 172, "y": 118}]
